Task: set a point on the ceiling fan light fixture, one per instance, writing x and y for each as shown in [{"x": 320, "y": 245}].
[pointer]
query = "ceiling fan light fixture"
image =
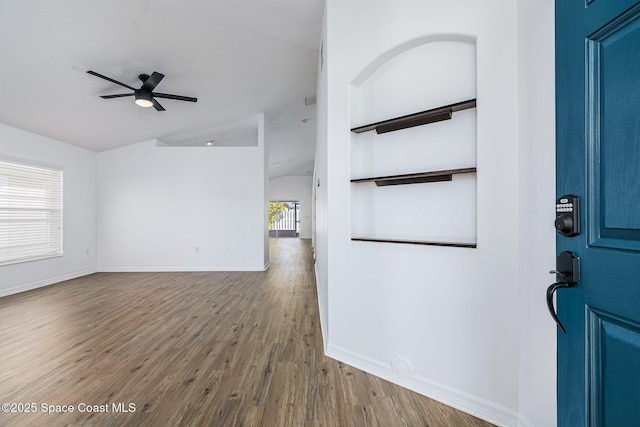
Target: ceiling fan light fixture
[
  {"x": 143, "y": 99},
  {"x": 144, "y": 103}
]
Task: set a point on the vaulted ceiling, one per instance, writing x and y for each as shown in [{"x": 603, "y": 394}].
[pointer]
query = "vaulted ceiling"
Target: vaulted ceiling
[{"x": 238, "y": 57}]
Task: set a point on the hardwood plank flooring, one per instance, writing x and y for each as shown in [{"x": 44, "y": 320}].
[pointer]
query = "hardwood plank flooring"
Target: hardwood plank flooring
[{"x": 191, "y": 349}]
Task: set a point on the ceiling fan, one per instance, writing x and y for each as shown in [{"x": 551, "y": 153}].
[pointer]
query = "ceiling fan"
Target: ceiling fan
[{"x": 145, "y": 96}]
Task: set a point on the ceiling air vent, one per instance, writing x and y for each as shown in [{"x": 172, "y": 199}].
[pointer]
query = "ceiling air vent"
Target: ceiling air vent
[{"x": 310, "y": 100}]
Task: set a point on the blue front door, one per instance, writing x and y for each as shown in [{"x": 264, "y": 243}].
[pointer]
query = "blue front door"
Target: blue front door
[{"x": 598, "y": 159}]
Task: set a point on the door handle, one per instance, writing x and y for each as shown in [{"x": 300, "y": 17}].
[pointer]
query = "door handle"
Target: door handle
[
  {"x": 550, "y": 291},
  {"x": 567, "y": 275}
]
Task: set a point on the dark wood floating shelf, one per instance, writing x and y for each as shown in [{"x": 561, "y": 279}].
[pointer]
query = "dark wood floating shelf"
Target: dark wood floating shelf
[
  {"x": 416, "y": 242},
  {"x": 416, "y": 178},
  {"x": 417, "y": 119}
]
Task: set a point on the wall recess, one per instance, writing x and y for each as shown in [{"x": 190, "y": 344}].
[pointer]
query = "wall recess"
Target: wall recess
[{"x": 418, "y": 129}]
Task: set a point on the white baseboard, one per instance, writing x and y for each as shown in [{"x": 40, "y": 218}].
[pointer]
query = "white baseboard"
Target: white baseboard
[
  {"x": 466, "y": 402},
  {"x": 321, "y": 303},
  {"x": 524, "y": 422},
  {"x": 181, "y": 268},
  {"x": 45, "y": 282}
]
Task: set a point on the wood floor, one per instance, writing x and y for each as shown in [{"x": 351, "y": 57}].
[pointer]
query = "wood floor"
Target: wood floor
[{"x": 191, "y": 349}]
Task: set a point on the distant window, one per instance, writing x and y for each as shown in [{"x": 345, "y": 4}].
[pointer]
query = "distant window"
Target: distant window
[{"x": 30, "y": 212}]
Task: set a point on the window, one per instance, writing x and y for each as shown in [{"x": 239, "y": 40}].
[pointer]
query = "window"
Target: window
[{"x": 30, "y": 212}]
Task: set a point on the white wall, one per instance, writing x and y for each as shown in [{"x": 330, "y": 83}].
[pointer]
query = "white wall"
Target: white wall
[
  {"x": 536, "y": 105},
  {"x": 181, "y": 208},
  {"x": 445, "y": 322},
  {"x": 79, "y": 212},
  {"x": 320, "y": 230},
  {"x": 295, "y": 188},
  {"x": 264, "y": 137}
]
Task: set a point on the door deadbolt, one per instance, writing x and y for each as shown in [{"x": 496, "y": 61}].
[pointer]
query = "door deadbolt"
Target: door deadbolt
[{"x": 568, "y": 215}]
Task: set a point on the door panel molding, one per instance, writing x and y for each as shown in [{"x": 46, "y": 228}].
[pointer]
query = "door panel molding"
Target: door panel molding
[
  {"x": 612, "y": 221},
  {"x": 612, "y": 391}
]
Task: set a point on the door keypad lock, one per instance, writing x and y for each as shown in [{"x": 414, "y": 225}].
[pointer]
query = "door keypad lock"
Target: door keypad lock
[
  {"x": 568, "y": 215},
  {"x": 567, "y": 276}
]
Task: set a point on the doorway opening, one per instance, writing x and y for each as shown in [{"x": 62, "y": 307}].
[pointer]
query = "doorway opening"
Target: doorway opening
[{"x": 284, "y": 218}]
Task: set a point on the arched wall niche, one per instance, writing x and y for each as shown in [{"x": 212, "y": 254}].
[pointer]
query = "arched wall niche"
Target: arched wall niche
[{"x": 418, "y": 75}]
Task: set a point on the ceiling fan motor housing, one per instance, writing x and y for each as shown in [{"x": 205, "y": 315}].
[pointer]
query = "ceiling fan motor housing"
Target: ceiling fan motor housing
[{"x": 143, "y": 97}]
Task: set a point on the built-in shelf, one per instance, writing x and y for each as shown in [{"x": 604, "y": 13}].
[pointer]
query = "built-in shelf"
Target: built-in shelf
[
  {"x": 404, "y": 122},
  {"x": 416, "y": 119},
  {"x": 416, "y": 178},
  {"x": 415, "y": 242}
]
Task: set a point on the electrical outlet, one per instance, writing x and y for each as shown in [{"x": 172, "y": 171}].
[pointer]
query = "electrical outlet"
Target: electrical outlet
[
  {"x": 197, "y": 249},
  {"x": 88, "y": 251}
]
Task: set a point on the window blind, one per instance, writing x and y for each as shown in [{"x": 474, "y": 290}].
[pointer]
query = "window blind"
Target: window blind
[{"x": 30, "y": 212}]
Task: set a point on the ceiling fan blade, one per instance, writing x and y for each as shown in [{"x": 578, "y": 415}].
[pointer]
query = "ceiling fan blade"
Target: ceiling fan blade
[
  {"x": 157, "y": 105},
  {"x": 152, "y": 81},
  {"x": 109, "y": 79},
  {"x": 120, "y": 95},
  {"x": 176, "y": 97}
]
